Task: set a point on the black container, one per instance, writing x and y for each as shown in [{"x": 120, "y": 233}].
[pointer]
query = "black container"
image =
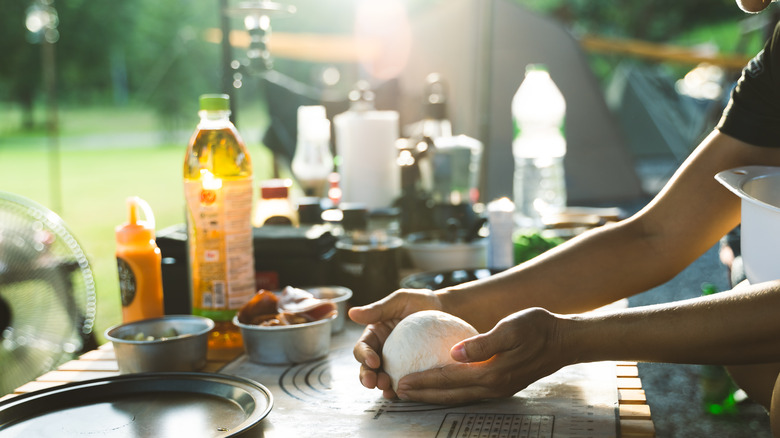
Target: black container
[
  {"x": 284, "y": 256},
  {"x": 369, "y": 269}
]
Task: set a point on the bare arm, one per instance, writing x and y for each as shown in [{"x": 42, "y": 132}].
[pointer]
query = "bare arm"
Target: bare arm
[
  {"x": 731, "y": 328},
  {"x": 689, "y": 216}
]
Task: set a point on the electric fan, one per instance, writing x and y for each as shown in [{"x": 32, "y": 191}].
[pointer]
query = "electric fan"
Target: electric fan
[{"x": 47, "y": 292}]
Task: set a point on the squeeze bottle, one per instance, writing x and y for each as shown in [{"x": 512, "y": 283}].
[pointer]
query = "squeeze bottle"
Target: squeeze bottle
[
  {"x": 219, "y": 193},
  {"x": 139, "y": 264},
  {"x": 539, "y": 146}
]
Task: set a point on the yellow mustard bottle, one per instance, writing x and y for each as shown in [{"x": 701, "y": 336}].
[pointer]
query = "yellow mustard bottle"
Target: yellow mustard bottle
[
  {"x": 219, "y": 192},
  {"x": 139, "y": 264}
]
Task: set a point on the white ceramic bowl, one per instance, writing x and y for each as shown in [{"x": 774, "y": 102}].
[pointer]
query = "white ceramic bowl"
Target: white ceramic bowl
[
  {"x": 438, "y": 255},
  {"x": 186, "y": 351},
  {"x": 759, "y": 189},
  {"x": 337, "y": 294},
  {"x": 286, "y": 344}
]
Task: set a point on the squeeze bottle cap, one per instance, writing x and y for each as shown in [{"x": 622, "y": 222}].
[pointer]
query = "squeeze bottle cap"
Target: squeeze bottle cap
[
  {"x": 215, "y": 102},
  {"x": 135, "y": 231}
]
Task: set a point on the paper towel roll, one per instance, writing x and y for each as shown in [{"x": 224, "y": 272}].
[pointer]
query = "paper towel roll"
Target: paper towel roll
[{"x": 365, "y": 140}]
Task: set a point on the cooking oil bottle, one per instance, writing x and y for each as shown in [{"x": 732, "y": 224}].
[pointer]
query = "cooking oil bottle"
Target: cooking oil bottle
[{"x": 218, "y": 190}]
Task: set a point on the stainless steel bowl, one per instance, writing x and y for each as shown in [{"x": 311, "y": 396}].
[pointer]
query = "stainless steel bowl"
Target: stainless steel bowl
[
  {"x": 186, "y": 351},
  {"x": 286, "y": 344},
  {"x": 337, "y": 294}
]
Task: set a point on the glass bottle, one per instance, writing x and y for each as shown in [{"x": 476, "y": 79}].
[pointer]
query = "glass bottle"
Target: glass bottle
[{"x": 218, "y": 189}]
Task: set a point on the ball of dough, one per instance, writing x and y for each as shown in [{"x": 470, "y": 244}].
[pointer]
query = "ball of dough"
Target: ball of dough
[{"x": 422, "y": 341}]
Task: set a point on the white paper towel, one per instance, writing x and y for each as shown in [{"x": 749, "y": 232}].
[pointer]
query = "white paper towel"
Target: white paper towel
[{"x": 365, "y": 140}]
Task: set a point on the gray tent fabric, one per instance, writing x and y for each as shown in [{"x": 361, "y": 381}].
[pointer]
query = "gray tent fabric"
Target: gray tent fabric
[
  {"x": 655, "y": 118},
  {"x": 482, "y": 47}
]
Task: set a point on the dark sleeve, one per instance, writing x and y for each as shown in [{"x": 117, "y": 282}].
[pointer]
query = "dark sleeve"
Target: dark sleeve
[{"x": 753, "y": 112}]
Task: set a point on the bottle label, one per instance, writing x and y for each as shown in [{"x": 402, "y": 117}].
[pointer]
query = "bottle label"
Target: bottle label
[
  {"x": 127, "y": 282},
  {"x": 221, "y": 252}
]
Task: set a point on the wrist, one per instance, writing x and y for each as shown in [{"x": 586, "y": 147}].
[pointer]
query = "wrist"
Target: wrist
[{"x": 579, "y": 339}]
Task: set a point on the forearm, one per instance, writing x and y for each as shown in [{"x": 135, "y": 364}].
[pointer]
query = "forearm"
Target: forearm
[
  {"x": 590, "y": 271},
  {"x": 730, "y": 328},
  {"x": 686, "y": 219}
]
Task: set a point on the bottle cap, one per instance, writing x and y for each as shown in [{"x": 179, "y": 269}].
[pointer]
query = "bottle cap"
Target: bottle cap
[
  {"x": 535, "y": 67},
  {"x": 215, "y": 102},
  {"x": 275, "y": 188},
  {"x": 136, "y": 231}
]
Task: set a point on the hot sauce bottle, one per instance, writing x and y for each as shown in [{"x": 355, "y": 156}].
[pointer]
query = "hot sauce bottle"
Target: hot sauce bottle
[{"x": 139, "y": 264}]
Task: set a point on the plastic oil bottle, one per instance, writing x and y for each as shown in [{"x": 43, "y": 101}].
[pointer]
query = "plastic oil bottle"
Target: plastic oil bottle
[
  {"x": 139, "y": 264},
  {"x": 219, "y": 192}
]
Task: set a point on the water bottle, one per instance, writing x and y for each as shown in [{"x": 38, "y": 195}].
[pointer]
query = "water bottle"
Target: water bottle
[{"x": 539, "y": 146}]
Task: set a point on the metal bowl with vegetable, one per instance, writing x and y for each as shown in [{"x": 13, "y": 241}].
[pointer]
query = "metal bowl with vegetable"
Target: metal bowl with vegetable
[{"x": 170, "y": 343}]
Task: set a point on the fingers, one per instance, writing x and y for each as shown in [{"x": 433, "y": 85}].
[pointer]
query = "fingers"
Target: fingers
[
  {"x": 482, "y": 347},
  {"x": 376, "y": 311},
  {"x": 395, "y": 306},
  {"x": 454, "y": 384},
  {"x": 477, "y": 349}
]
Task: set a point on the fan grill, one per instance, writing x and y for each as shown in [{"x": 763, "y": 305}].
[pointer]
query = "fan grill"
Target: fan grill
[{"x": 47, "y": 292}]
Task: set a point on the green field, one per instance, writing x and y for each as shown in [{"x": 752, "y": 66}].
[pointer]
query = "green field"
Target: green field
[{"x": 106, "y": 155}]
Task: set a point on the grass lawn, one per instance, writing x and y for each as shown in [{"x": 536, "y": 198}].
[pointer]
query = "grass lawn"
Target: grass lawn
[{"x": 106, "y": 155}]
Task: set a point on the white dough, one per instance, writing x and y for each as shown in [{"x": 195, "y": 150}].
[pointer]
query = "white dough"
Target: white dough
[{"x": 422, "y": 341}]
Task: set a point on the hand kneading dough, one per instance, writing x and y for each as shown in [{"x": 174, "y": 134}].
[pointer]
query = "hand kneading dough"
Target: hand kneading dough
[{"x": 422, "y": 341}]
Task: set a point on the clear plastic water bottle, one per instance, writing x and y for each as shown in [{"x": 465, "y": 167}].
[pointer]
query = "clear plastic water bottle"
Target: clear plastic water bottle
[{"x": 539, "y": 146}]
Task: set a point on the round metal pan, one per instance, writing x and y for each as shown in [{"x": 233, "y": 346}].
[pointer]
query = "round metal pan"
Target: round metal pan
[{"x": 134, "y": 405}]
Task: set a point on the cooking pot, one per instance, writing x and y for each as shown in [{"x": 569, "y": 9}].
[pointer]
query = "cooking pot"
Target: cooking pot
[{"x": 759, "y": 188}]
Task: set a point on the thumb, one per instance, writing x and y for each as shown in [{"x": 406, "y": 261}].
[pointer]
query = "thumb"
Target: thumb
[
  {"x": 476, "y": 349},
  {"x": 375, "y": 312}
]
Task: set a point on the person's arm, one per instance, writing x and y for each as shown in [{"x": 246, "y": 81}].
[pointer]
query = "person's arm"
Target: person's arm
[
  {"x": 732, "y": 328},
  {"x": 729, "y": 328},
  {"x": 686, "y": 219}
]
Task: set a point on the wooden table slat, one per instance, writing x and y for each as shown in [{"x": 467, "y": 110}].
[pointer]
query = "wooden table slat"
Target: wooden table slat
[
  {"x": 629, "y": 383},
  {"x": 631, "y": 396},
  {"x": 634, "y": 412},
  {"x": 637, "y": 429}
]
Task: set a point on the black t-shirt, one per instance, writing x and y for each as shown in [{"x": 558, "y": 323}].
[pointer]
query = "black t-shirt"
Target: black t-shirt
[{"x": 753, "y": 112}]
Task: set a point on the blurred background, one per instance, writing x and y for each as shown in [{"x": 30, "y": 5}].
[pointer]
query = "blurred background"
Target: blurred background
[{"x": 98, "y": 99}]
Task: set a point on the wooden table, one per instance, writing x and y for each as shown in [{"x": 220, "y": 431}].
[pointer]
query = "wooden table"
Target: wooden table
[{"x": 635, "y": 420}]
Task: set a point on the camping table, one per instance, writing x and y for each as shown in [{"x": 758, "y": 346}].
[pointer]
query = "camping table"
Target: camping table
[{"x": 324, "y": 398}]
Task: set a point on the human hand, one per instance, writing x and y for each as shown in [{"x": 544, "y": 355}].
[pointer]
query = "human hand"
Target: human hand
[
  {"x": 380, "y": 318},
  {"x": 521, "y": 349}
]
